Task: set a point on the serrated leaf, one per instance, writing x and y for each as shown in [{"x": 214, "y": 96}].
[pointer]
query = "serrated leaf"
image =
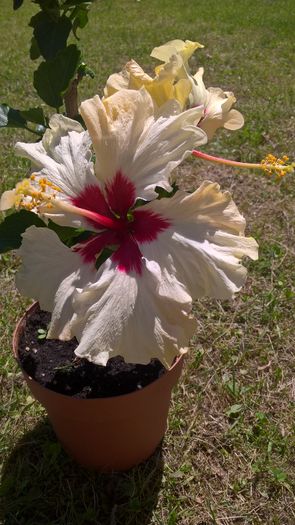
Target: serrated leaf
[
  {"x": 11, "y": 118},
  {"x": 14, "y": 226},
  {"x": 51, "y": 34},
  {"x": 52, "y": 78},
  {"x": 35, "y": 115}
]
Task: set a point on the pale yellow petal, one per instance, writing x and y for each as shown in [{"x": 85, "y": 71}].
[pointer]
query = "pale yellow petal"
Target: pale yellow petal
[
  {"x": 182, "y": 91},
  {"x": 235, "y": 120},
  {"x": 185, "y": 49},
  {"x": 116, "y": 82},
  {"x": 7, "y": 200}
]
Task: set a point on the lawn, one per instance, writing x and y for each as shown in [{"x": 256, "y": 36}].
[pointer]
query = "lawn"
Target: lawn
[{"x": 228, "y": 456}]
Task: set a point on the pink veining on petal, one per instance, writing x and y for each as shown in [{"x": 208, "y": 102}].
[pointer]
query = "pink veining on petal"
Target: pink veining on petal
[
  {"x": 93, "y": 199},
  {"x": 111, "y": 214},
  {"x": 91, "y": 248},
  {"x": 128, "y": 256},
  {"x": 120, "y": 194},
  {"x": 147, "y": 225}
]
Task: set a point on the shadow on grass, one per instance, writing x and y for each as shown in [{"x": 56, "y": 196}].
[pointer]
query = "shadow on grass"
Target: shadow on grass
[{"x": 41, "y": 484}]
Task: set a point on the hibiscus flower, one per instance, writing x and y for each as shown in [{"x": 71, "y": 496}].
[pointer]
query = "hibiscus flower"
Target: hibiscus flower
[{"x": 163, "y": 253}]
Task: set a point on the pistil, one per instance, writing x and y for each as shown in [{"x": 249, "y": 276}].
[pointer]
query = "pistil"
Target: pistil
[
  {"x": 269, "y": 165},
  {"x": 101, "y": 220}
]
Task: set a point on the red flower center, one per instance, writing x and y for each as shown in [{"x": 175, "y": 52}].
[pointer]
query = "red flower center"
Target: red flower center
[{"x": 123, "y": 227}]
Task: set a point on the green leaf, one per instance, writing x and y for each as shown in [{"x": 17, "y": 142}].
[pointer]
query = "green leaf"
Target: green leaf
[
  {"x": 51, "y": 7},
  {"x": 17, "y": 4},
  {"x": 104, "y": 255},
  {"x": 52, "y": 78},
  {"x": 234, "y": 410},
  {"x": 166, "y": 194},
  {"x": 80, "y": 18},
  {"x": 68, "y": 235},
  {"x": 51, "y": 35},
  {"x": 11, "y": 118},
  {"x": 14, "y": 226},
  {"x": 35, "y": 115},
  {"x": 34, "y": 49},
  {"x": 42, "y": 334},
  {"x": 279, "y": 475},
  {"x": 84, "y": 71},
  {"x": 74, "y": 3}
]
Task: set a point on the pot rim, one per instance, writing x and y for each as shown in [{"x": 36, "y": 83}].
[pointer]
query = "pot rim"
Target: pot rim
[{"x": 15, "y": 340}]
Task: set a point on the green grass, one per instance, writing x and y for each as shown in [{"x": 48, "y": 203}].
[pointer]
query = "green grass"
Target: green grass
[{"x": 228, "y": 457}]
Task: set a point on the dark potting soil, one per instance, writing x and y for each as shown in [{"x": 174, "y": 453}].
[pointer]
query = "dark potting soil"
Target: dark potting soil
[{"x": 53, "y": 364}]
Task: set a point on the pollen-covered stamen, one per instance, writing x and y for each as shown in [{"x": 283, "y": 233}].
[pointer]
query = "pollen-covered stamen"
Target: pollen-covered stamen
[
  {"x": 45, "y": 184},
  {"x": 32, "y": 193},
  {"x": 279, "y": 166},
  {"x": 269, "y": 165}
]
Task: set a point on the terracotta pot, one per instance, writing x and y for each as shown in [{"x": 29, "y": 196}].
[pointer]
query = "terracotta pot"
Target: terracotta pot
[{"x": 114, "y": 433}]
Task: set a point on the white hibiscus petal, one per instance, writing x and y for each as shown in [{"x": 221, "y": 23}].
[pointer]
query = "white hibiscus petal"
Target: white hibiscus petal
[
  {"x": 127, "y": 137},
  {"x": 162, "y": 147},
  {"x": 115, "y": 126},
  {"x": 50, "y": 273},
  {"x": 63, "y": 156},
  {"x": 137, "y": 317},
  {"x": 204, "y": 246}
]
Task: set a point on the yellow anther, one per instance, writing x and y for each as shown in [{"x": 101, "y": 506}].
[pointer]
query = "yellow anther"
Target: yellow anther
[
  {"x": 30, "y": 196},
  {"x": 272, "y": 164},
  {"x": 44, "y": 182}
]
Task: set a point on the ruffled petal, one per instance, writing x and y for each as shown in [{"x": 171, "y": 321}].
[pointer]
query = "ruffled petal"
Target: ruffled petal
[
  {"x": 204, "y": 246},
  {"x": 63, "y": 156},
  {"x": 116, "y": 82},
  {"x": 115, "y": 126},
  {"x": 163, "y": 147},
  {"x": 185, "y": 49},
  {"x": 217, "y": 106},
  {"x": 50, "y": 273},
  {"x": 137, "y": 317},
  {"x": 128, "y": 139},
  {"x": 64, "y": 159},
  {"x": 235, "y": 120}
]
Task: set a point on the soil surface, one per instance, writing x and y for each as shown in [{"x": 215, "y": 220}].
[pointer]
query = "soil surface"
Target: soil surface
[{"x": 53, "y": 364}]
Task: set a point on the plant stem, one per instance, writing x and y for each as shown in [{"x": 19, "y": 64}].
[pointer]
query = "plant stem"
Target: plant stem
[{"x": 71, "y": 99}]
